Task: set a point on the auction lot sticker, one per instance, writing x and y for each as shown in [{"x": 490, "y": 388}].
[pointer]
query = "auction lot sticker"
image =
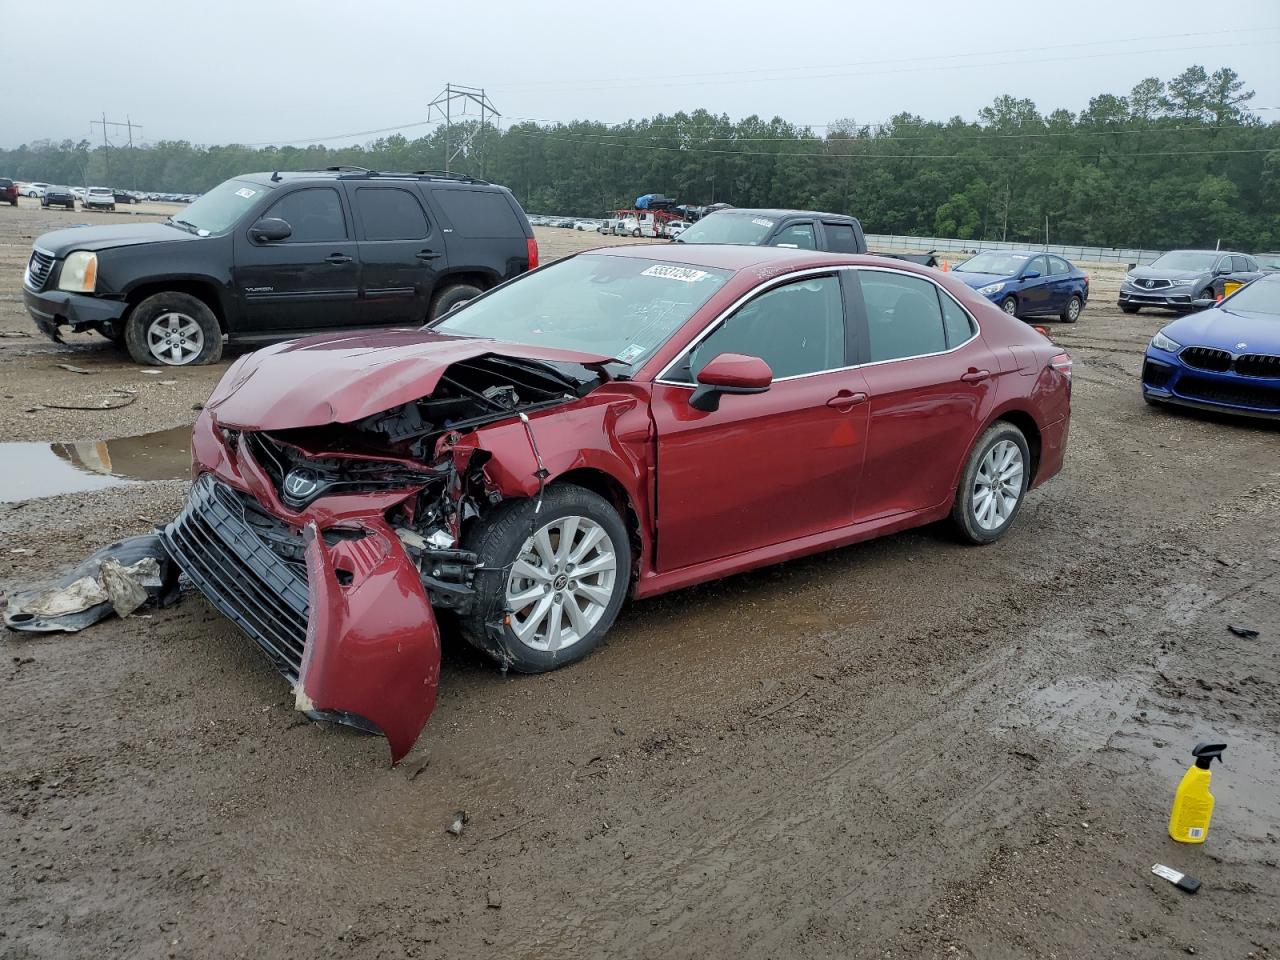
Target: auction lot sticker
[{"x": 683, "y": 274}]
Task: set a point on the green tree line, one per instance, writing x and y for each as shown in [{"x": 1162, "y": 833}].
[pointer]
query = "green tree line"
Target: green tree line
[{"x": 1176, "y": 163}]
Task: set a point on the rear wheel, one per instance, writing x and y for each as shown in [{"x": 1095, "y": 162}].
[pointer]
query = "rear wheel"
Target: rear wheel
[
  {"x": 1071, "y": 312},
  {"x": 173, "y": 329},
  {"x": 993, "y": 484},
  {"x": 1010, "y": 306},
  {"x": 552, "y": 580},
  {"x": 451, "y": 297}
]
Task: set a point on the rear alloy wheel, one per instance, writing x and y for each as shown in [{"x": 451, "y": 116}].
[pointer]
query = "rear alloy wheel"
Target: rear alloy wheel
[
  {"x": 1071, "y": 312},
  {"x": 993, "y": 484},
  {"x": 173, "y": 330},
  {"x": 1010, "y": 306},
  {"x": 552, "y": 580}
]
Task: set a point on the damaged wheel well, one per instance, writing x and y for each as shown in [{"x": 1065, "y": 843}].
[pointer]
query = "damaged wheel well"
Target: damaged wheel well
[
  {"x": 599, "y": 482},
  {"x": 201, "y": 290},
  {"x": 1027, "y": 424}
]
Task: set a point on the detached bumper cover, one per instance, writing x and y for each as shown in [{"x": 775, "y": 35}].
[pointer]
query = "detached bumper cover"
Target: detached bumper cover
[
  {"x": 53, "y": 308},
  {"x": 353, "y": 631}
]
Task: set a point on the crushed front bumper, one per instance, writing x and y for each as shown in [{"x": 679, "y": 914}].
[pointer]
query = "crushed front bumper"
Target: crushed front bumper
[
  {"x": 51, "y": 309},
  {"x": 351, "y": 628}
]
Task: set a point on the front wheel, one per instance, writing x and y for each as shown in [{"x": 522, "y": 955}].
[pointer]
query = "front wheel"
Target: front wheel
[
  {"x": 552, "y": 580},
  {"x": 1010, "y": 306},
  {"x": 993, "y": 484},
  {"x": 1129, "y": 308},
  {"x": 1071, "y": 312},
  {"x": 174, "y": 330}
]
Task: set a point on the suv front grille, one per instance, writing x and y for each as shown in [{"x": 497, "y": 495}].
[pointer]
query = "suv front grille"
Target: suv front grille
[
  {"x": 38, "y": 269},
  {"x": 240, "y": 574},
  {"x": 1206, "y": 358},
  {"x": 1258, "y": 365}
]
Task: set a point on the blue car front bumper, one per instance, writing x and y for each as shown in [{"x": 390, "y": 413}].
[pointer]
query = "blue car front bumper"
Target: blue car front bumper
[{"x": 1166, "y": 379}]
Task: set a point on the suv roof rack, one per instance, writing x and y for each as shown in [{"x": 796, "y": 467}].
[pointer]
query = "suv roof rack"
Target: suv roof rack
[{"x": 448, "y": 175}]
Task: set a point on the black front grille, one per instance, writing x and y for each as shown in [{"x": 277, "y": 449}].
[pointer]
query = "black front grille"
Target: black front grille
[
  {"x": 38, "y": 269},
  {"x": 1258, "y": 365},
  {"x": 1155, "y": 374},
  {"x": 1206, "y": 358},
  {"x": 1235, "y": 394},
  {"x": 1153, "y": 284},
  {"x": 239, "y": 573},
  {"x": 326, "y": 476}
]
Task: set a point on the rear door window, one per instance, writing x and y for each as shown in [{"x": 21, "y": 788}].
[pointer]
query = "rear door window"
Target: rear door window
[
  {"x": 796, "y": 235},
  {"x": 479, "y": 214},
  {"x": 1058, "y": 267},
  {"x": 840, "y": 237},
  {"x": 1239, "y": 265},
  {"x": 958, "y": 325},
  {"x": 314, "y": 214},
  {"x": 904, "y": 317},
  {"x": 390, "y": 213}
]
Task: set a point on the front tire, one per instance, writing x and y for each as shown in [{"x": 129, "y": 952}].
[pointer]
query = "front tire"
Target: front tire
[
  {"x": 451, "y": 297},
  {"x": 173, "y": 329},
  {"x": 1129, "y": 308},
  {"x": 635, "y": 232},
  {"x": 552, "y": 580},
  {"x": 1010, "y": 306},
  {"x": 1071, "y": 312},
  {"x": 993, "y": 485}
]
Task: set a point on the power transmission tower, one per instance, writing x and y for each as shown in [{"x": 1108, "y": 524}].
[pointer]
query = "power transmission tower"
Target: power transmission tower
[
  {"x": 442, "y": 108},
  {"x": 106, "y": 144}
]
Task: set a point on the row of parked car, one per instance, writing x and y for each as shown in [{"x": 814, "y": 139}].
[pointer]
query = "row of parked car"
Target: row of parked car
[{"x": 37, "y": 190}]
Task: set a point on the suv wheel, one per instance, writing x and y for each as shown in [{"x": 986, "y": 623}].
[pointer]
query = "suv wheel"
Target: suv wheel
[
  {"x": 555, "y": 578},
  {"x": 451, "y": 297},
  {"x": 173, "y": 329}
]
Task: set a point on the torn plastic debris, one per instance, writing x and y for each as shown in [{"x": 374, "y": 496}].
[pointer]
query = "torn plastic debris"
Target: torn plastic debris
[{"x": 119, "y": 578}]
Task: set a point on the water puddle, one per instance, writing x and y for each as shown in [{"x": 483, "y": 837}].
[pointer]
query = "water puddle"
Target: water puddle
[{"x": 33, "y": 470}]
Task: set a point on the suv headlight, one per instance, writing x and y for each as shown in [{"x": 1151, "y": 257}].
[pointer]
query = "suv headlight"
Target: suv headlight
[
  {"x": 79, "y": 272},
  {"x": 1161, "y": 342},
  {"x": 991, "y": 289}
]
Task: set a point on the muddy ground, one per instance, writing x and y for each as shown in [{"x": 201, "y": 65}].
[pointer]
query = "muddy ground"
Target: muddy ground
[{"x": 905, "y": 748}]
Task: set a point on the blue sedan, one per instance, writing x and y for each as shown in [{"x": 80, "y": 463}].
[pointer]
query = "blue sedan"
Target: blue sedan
[
  {"x": 1224, "y": 358},
  {"x": 1026, "y": 283}
]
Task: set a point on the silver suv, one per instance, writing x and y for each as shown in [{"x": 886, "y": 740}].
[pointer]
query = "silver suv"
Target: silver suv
[{"x": 1185, "y": 279}]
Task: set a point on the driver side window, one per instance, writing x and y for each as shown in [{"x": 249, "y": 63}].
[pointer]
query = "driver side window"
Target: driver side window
[
  {"x": 796, "y": 329},
  {"x": 1039, "y": 265},
  {"x": 313, "y": 213}
]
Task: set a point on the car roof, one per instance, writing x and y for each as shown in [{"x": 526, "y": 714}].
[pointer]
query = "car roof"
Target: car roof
[
  {"x": 360, "y": 173},
  {"x": 779, "y": 214},
  {"x": 1238, "y": 253},
  {"x": 733, "y": 256}
]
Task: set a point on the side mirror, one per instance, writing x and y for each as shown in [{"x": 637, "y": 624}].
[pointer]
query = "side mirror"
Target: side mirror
[
  {"x": 1031, "y": 275},
  {"x": 270, "y": 230},
  {"x": 729, "y": 373}
]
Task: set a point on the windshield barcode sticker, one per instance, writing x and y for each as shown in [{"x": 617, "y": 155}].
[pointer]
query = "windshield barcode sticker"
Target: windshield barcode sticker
[
  {"x": 762, "y": 222},
  {"x": 246, "y": 193},
  {"x": 683, "y": 274}
]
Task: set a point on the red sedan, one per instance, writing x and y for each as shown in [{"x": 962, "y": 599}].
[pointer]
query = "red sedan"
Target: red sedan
[{"x": 620, "y": 423}]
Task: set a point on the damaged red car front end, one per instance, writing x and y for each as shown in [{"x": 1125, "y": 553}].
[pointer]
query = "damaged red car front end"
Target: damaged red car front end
[{"x": 328, "y": 530}]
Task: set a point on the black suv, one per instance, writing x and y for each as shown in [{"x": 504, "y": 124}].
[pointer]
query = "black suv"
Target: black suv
[
  {"x": 272, "y": 256},
  {"x": 55, "y": 196}
]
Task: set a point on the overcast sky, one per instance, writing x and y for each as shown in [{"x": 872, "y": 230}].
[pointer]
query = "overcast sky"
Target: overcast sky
[{"x": 288, "y": 70}]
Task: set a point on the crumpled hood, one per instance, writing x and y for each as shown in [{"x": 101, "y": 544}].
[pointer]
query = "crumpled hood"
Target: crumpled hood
[
  {"x": 977, "y": 280},
  {"x": 1227, "y": 329},
  {"x": 1162, "y": 273},
  {"x": 341, "y": 378},
  {"x": 61, "y": 242}
]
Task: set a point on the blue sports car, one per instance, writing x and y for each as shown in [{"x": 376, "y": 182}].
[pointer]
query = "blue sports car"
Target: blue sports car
[
  {"x": 1027, "y": 283},
  {"x": 1224, "y": 358}
]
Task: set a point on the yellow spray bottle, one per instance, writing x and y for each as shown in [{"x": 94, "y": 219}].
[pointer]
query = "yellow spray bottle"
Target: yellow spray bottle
[{"x": 1193, "y": 803}]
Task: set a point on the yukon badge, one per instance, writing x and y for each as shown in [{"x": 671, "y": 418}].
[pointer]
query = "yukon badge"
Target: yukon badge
[{"x": 300, "y": 484}]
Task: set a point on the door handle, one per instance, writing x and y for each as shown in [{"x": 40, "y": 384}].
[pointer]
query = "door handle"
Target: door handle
[
  {"x": 337, "y": 258},
  {"x": 844, "y": 401},
  {"x": 427, "y": 255},
  {"x": 975, "y": 376}
]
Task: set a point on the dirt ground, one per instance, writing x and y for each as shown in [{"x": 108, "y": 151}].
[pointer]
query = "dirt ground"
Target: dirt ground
[{"x": 908, "y": 748}]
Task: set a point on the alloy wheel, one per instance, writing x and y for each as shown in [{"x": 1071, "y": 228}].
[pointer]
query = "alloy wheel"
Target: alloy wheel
[
  {"x": 175, "y": 339},
  {"x": 1010, "y": 306},
  {"x": 1073, "y": 309},
  {"x": 998, "y": 485},
  {"x": 561, "y": 583}
]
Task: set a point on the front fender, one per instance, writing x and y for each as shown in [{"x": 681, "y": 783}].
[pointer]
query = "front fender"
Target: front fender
[{"x": 373, "y": 646}]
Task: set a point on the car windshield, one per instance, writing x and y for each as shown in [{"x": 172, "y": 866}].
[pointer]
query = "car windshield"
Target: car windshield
[
  {"x": 1261, "y": 296},
  {"x": 619, "y": 307},
  {"x": 1186, "y": 260},
  {"x": 1002, "y": 264},
  {"x": 217, "y": 210},
  {"x": 724, "y": 227}
]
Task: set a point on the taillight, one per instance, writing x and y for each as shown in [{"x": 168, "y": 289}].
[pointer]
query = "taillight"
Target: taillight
[
  {"x": 1086, "y": 283},
  {"x": 1062, "y": 363},
  {"x": 533, "y": 253}
]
